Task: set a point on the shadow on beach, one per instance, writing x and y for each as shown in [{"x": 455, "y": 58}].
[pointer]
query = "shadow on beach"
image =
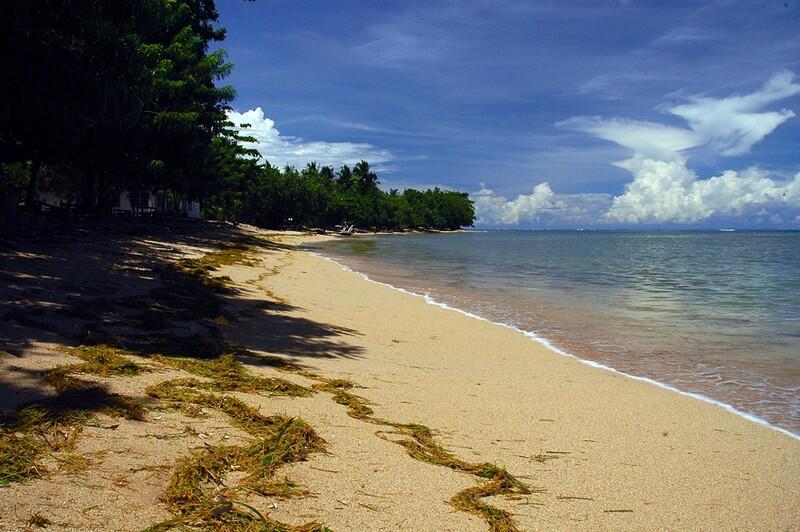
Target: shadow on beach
[{"x": 122, "y": 284}]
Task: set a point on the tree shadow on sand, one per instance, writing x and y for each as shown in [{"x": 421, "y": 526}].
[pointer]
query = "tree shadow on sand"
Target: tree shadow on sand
[{"x": 124, "y": 284}]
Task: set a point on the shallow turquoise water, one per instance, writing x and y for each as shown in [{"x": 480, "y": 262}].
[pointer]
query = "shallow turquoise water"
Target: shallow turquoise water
[{"x": 716, "y": 313}]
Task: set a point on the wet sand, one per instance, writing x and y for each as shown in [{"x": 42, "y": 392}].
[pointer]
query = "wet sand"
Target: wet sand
[
  {"x": 496, "y": 395},
  {"x": 607, "y": 451}
]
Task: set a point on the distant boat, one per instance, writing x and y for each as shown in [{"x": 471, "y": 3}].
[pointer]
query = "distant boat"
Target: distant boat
[
  {"x": 347, "y": 230},
  {"x": 727, "y": 230}
]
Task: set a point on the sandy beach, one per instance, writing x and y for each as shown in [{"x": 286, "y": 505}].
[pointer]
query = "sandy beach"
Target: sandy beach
[
  {"x": 597, "y": 450},
  {"x": 498, "y": 396},
  {"x": 468, "y": 266}
]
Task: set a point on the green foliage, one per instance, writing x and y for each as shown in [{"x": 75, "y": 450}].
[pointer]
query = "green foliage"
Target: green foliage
[
  {"x": 103, "y": 96},
  {"x": 266, "y": 196},
  {"x": 13, "y": 178},
  {"x": 112, "y": 95}
]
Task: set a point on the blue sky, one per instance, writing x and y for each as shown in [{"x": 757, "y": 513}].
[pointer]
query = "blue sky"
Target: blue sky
[{"x": 528, "y": 105}]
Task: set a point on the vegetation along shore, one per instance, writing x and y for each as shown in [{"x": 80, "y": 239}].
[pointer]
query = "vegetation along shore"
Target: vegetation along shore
[
  {"x": 220, "y": 378},
  {"x": 171, "y": 358},
  {"x": 134, "y": 109}
]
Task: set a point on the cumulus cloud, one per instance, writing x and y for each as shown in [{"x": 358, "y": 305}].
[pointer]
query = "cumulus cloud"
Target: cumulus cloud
[
  {"x": 491, "y": 209},
  {"x": 282, "y": 150},
  {"x": 542, "y": 206},
  {"x": 665, "y": 190}
]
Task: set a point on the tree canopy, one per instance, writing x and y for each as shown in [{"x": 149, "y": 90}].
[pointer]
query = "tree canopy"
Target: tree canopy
[
  {"x": 113, "y": 94},
  {"x": 319, "y": 197},
  {"x": 102, "y": 96}
]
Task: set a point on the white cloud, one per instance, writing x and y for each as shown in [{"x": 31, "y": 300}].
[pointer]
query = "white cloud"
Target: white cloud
[
  {"x": 394, "y": 49},
  {"x": 733, "y": 125},
  {"x": 670, "y": 192},
  {"x": 728, "y": 126},
  {"x": 616, "y": 86},
  {"x": 651, "y": 138},
  {"x": 541, "y": 206},
  {"x": 685, "y": 34},
  {"x": 404, "y": 42},
  {"x": 665, "y": 190},
  {"x": 497, "y": 210},
  {"x": 281, "y": 150}
]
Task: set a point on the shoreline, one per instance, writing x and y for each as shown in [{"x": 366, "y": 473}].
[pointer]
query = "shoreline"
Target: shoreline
[
  {"x": 609, "y": 423},
  {"x": 549, "y": 345},
  {"x": 425, "y": 419}
]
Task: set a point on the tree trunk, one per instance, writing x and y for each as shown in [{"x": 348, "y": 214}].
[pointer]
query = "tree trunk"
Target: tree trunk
[
  {"x": 32, "y": 182},
  {"x": 102, "y": 193},
  {"x": 88, "y": 197}
]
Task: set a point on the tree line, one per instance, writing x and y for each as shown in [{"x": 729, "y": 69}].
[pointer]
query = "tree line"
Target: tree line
[
  {"x": 317, "y": 196},
  {"x": 103, "y": 96}
]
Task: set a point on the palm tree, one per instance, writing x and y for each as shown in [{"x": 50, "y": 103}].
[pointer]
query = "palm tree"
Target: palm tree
[
  {"x": 367, "y": 179},
  {"x": 345, "y": 176},
  {"x": 326, "y": 172}
]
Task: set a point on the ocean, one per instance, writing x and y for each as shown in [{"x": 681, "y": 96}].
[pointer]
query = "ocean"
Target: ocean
[{"x": 706, "y": 312}]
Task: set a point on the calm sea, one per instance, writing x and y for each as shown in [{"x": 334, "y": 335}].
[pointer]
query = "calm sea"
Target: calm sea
[{"x": 715, "y": 313}]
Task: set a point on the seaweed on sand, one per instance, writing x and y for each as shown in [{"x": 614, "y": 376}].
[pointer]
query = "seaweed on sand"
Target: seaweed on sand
[
  {"x": 194, "y": 505},
  {"x": 102, "y": 360},
  {"x": 197, "y": 494},
  {"x": 19, "y": 457},
  {"x": 231, "y": 253},
  {"x": 420, "y": 443},
  {"x": 52, "y": 425},
  {"x": 226, "y": 374}
]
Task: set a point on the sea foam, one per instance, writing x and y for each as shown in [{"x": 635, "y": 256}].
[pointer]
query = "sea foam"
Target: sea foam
[{"x": 549, "y": 345}]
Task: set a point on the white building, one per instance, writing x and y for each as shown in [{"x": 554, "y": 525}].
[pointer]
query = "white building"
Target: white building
[
  {"x": 137, "y": 203},
  {"x": 161, "y": 202}
]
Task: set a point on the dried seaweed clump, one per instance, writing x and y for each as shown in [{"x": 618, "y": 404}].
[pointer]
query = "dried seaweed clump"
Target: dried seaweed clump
[
  {"x": 19, "y": 456},
  {"x": 53, "y": 425},
  {"x": 469, "y": 500},
  {"x": 420, "y": 444},
  {"x": 103, "y": 360},
  {"x": 232, "y": 253},
  {"x": 197, "y": 494},
  {"x": 226, "y": 374}
]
